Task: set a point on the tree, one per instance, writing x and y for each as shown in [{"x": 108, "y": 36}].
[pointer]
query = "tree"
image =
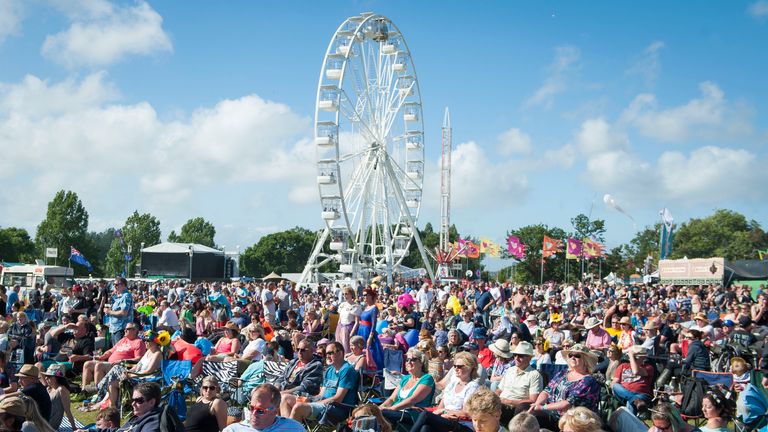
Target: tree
[
  {"x": 16, "y": 245},
  {"x": 280, "y": 252},
  {"x": 196, "y": 230},
  {"x": 726, "y": 234},
  {"x": 529, "y": 268},
  {"x": 138, "y": 229},
  {"x": 65, "y": 225},
  {"x": 583, "y": 227}
]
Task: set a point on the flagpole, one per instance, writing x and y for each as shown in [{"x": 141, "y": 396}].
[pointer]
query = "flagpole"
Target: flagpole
[{"x": 541, "y": 281}]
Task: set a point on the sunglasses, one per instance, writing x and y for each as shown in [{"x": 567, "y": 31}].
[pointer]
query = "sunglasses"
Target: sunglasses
[
  {"x": 412, "y": 359},
  {"x": 138, "y": 400},
  {"x": 574, "y": 356},
  {"x": 209, "y": 388},
  {"x": 261, "y": 411},
  {"x": 328, "y": 353},
  {"x": 459, "y": 366},
  {"x": 302, "y": 349}
]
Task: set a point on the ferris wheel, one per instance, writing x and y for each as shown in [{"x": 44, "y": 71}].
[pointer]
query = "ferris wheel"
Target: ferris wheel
[{"x": 369, "y": 139}]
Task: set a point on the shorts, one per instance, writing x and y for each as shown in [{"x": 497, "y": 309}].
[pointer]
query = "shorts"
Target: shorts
[
  {"x": 330, "y": 413},
  {"x": 318, "y": 410}
]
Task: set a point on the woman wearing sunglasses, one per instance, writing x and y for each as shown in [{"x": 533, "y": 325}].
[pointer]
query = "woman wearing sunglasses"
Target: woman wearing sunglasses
[
  {"x": 570, "y": 388},
  {"x": 209, "y": 412},
  {"x": 415, "y": 390}
]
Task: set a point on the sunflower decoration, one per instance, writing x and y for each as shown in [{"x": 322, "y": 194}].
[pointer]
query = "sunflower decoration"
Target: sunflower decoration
[{"x": 163, "y": 338}]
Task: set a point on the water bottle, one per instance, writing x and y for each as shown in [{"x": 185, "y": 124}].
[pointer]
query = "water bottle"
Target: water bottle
[{"x": 675, "y": 386}]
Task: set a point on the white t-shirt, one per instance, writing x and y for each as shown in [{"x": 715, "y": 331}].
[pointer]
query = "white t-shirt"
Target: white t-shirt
[
  {"x": 454, "y": 401},
  {"x": 169, "y": 318},
  {"x": 253, "y": 351},
  {"x": 347, "y": 312},
  {"x": 425, "y": 299}
]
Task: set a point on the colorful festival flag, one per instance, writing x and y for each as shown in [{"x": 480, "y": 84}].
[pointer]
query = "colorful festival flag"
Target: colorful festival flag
[
  {"x": 515, "y": 247},
  {"x": 591, "y": 248},
  {"x": 574, "y": 250},
  {"x": 472, "y": 250},
  {"x": 550, "y": 247}
]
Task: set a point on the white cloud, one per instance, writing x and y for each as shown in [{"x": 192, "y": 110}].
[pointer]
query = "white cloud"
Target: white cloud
[
  {"x": 712, "y": 174},
  {"x": 514, "y": 141},
  {"x": 10, "y": 18},
  {"x": 700, "y": 117},
  {"x": 476, "y": 180},
  {"x": 648, "y": 65},
  {"x": 758, "y": 9},
  {"x": 565, "y": 59},
  {"x": 102, "y": 149},
  {"x": 597, "y": 136},
  {"x": 102, "y": 34}
]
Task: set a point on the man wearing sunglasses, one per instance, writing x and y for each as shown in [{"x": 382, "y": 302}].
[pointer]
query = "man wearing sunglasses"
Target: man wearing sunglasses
[
  {"x": 304, "y": 374},
  {"x": 264, "y": 409},
  {"x": 146, "y": 413},
  {"x": 337, "y": 396}
]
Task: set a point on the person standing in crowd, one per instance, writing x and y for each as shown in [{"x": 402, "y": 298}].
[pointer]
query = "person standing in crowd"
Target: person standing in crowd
[
  {"x": 367, "y": 329},
  {"x": 269, "y": 304},
  {"x": 120, "y": 312},
  {"x": 349, "y": 312}
]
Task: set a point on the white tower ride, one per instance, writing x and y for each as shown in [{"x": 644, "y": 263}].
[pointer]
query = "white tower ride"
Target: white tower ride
[{"x": 445, "y": 182}]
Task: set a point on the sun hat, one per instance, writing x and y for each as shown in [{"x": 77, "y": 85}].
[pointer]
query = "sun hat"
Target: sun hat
[
  {"x": 650, "y": 325},
  {"x": 500, "y": 348},
  {"x": 637, "y": 350},
  {"x": 625, "y": 320},
  {"x": 579, "y": 349},
  {"x": 56, "y": 370},
  {"x": 232, "y": 326},
  {"x": 479, "y": 333},
  {"x": 531, "y": 318},
  {"x": 524, "y": 348},
  {"x": 29, "y": 371},
  {"x": 700, "y": 316},
  {"x": 591, "y": 323},
  {"x": 14, "y": 406}
]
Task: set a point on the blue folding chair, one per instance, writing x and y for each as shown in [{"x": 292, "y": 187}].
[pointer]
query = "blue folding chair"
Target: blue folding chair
[
  {"x": 715, "y": 379},
  {"x": 176, "y": 377}
]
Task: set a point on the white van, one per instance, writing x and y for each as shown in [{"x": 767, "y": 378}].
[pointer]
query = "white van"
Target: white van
[{"x": 27, "y": 275}]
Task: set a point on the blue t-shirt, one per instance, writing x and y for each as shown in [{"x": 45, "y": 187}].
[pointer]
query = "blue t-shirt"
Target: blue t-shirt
[
  {"x": 121, "y": 302},
  {"x": 347, "y": 377},
  {"x": 13, "y": 297},
  {"x": 483, "y": 300}
]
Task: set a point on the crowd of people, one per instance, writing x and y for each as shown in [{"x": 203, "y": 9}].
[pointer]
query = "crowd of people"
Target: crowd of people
[{"x": 412, "y": 356}]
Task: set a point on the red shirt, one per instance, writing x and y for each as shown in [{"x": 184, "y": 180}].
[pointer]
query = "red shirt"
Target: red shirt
[
  {"x": 187, "y": 351},
  {"x": 127, "y": 349},
  {"x": 485, "y": 357},
  {"x": 635, "y": 383}
]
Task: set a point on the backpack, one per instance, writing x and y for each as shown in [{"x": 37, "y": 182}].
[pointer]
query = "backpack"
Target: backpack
[
  {"x": 169, "y": 421},
  {"x": 693, "y": 395}
]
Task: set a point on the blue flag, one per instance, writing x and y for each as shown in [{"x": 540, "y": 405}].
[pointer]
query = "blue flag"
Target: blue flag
[{"x": 76, "y": 257}]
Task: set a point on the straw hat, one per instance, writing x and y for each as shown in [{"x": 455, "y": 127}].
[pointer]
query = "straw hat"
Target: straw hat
[
  {"x": 14, "y": 406},
  {"x": 500, "y": 348},
  {"x": 700, "y": 316},
  {"x": 591, "y": 323},
  {"x": 625, "y": 320},
  {"x": 232, "y": 326},
  {"x": 29, "y": 371},
  {"x": 637, "y": 350},
  {"x": 579, "y": 349},
  {"x": 524, "y": 348},
  {"x": 650, "y": 325}
]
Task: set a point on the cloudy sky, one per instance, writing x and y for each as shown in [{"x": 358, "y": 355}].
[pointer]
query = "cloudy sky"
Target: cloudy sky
[{"x": 186, "y": 109}]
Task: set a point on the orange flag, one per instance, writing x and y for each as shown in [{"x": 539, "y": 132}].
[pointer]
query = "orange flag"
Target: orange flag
[
  {"x": 550, "y": 247},
  {"x": 473, "y": 250}
]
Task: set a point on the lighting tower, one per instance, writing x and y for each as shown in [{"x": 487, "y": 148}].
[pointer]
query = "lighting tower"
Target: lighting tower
[{"x": 445, "y": 183}]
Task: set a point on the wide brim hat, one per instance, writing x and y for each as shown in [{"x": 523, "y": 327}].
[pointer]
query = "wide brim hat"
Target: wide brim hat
[
  {"x": 29, "y": 371},
  {"x": 531, "y": 317},
  {"x": 638, "y": 350},
  {"x": 232, "y": 326},
  {"x": 650, "y": 325},
  {"x": 524, "y": 348},
  {"x": 579, "y": 349},
  {"x": 500, "y": 348},
  {"x": 625, "y": 320},
  {"x": 480, "y": 333},
  {"x": 591, "y": 323},
  {"x": 56, "y": 370},
  {"x": 700, "y": 316}
]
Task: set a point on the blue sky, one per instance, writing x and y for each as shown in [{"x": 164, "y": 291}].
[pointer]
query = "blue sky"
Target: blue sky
[{"x": 185, "y": 109}]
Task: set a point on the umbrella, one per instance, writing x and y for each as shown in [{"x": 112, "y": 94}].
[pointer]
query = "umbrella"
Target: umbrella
[{"x": 273, "y": 277}]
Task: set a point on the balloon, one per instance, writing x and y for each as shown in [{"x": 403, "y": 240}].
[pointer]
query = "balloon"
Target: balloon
[
  {"x": 412, "y": 337},
  {"x": 381, "y": 324}
]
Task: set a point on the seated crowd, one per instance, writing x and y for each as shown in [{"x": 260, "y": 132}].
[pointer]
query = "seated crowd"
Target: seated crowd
[{"x": 414, "y": 357}]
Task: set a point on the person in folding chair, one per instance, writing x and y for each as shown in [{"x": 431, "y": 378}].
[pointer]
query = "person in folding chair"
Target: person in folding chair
[
  {"x": 633, "y": 381},
  {"x": 337, "y": 397}
]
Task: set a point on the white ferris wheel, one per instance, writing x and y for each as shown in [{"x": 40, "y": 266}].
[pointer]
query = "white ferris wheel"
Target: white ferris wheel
[{"x": 369, "y": 138}]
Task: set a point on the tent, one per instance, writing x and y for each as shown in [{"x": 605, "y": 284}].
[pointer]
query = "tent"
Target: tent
[
  {"x": 182, "y": 260},
  {"x": 273, "y": 277}
]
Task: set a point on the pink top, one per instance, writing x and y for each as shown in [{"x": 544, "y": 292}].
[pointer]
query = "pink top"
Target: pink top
[
  {"x": 127, "y": 349},
  {"x": 224, "y": 346},
  {"x": 599, "y": 340}
]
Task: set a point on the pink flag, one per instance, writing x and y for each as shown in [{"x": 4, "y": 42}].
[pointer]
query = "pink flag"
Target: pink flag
[
  {"x": 574, "y": 248},
  {"x": 515, "y": 247}
]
